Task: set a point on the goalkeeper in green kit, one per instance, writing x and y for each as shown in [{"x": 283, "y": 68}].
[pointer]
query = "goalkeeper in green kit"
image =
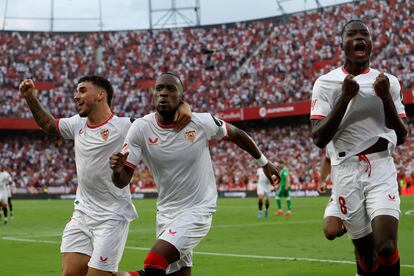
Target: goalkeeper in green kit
[{"x": 283, "y": 191}]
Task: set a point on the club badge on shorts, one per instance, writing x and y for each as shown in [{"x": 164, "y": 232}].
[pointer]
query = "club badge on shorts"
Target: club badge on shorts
[
  {"x": 105, "y": 134},
  {"x": 190, "y": 135}
]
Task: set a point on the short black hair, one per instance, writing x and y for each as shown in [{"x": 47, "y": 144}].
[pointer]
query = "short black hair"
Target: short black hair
[
  {"x": 177, "y": 77},
  {"x": 349, "y": 22},
  {"x": 101, "y": 82}
]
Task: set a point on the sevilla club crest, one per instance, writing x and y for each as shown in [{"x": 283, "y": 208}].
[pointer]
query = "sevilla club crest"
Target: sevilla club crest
[
  {"x": 190, "y": 135},
  {"x": 105, "y": 134}
]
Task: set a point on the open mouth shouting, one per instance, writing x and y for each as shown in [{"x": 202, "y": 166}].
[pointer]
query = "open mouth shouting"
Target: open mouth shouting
[{"x": 360, "y": 49}]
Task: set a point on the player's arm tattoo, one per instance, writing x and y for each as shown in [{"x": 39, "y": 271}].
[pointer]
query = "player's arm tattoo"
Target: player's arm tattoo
[{"x": 43, "y": 118}]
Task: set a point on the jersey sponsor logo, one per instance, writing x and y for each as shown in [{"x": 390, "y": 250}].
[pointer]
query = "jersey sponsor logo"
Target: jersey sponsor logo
[
  {"x": 105, "y": 134},
  {"x": 81, "y": 131},
  {"x": 313, "y": 103},
  {"x": 172, "y": 232},
  {"x": 391, "y": 197},
  {"x": 153, "y": 141},
  {"x": 103, "y": 259},
  {"x": 190, "y": 135}
]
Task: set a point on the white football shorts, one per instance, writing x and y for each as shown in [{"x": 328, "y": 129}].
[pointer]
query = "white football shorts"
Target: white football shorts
[
  {"x": 103, "y": 240},
  {"x": 264, "y": 189},
  {"x": 184, "y": 231},
  {"x": 366, "y": 186},
  {"x": 3, "y": 197}
]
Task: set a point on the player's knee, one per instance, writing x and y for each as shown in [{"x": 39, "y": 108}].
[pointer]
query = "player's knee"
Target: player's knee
[
  {"x": 386, "y": 249},
  {"x": 155, "y": 264},
  {"x": 330, "y": 233},
  {"x": 332, "y": 230}
]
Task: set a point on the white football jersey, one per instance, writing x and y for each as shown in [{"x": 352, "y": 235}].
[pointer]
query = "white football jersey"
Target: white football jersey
[
  {"x": 179, "y": 161},
  {"x": 96, "y": 195},
  {"x": 364, "y": 120},
  {"x": 5, "y": 180}
]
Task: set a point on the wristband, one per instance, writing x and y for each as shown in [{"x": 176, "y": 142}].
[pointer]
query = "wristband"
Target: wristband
[{"x": 262, "y": 161}]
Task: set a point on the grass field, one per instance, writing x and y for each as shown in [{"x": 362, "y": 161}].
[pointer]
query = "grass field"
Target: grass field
[{"x": 238, "y": 244}]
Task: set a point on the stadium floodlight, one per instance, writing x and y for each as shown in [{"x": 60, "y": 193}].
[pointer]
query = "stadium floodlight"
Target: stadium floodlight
[{"x": 175, "y": 15}]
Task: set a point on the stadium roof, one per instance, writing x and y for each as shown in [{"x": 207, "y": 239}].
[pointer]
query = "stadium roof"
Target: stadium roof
[{"x": 106, "y": 15}]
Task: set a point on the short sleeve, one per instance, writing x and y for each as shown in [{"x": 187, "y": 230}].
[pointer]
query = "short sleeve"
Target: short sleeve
[
  {"x": 396, "y": 94},
  {"x": 66, "y": 127},
  {"x": 320, "y": 106},
  {"x": 215, "y": 128},
  {"x": 132, "y": 144}
]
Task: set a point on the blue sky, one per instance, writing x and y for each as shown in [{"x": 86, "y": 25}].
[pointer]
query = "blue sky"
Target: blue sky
[{"x": 84, "y": 15}]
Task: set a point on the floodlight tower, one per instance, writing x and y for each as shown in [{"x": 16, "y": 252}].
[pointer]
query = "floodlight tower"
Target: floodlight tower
[{"x": 175, "y": 15}]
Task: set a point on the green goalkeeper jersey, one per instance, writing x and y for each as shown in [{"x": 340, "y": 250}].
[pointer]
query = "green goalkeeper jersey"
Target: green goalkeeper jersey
[{"x": 284, "y": 177}]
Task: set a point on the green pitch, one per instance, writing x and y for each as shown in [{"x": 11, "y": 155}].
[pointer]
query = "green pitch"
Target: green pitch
[{"x": 238, "y": 244}]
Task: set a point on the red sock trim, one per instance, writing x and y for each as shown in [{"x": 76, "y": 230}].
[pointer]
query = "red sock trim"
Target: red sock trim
[
  {"x": 154, "y": 260},
  {"x": 365, "y": 268},
  {"x": 389, "y": 261},
  {"x": 133, "y": 273}
]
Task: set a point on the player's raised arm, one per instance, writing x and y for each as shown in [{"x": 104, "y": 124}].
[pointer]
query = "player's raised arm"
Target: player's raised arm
[
  {"x": 246, "y": 143},
  {"x": 121, "y": 173},
  {"x": 43, "y": 118}
]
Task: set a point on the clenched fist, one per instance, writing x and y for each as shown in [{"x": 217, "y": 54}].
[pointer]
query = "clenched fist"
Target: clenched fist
[
  {"x": 382, "y": 87},
  {"x": 27, "y": 87},
  {"x": 349, "y": 88},
  {"x": 117, "y": 161}
]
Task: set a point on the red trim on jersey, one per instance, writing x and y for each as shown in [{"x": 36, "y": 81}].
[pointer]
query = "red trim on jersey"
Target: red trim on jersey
[
  {"x": 161, "y": 125},
  {"x": 366, "y": 71},
  {"x": 227, "y": 131},
  {"x": 57, "y": 128},
  {"x": 317, "y": 117},
  {"x": 129, "y": 164},
  {"x": 403, "y": 115},
  {"x": 101, "y": 124},
  {"x": 133, "y": 273}
]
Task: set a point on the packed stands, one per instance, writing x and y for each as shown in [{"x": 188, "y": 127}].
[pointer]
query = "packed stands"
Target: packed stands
[
  {"x": 254, "y": 63},
  {"x": 37, "y": 161}
]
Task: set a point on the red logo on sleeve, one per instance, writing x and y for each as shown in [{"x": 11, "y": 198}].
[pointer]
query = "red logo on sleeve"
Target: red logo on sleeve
[{"x": 153, "y": 141}]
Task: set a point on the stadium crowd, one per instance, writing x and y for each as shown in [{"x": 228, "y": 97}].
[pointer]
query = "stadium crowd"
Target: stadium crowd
[
  {"x": 35, "y": 167},
  {"x": 254, "y": 63}
]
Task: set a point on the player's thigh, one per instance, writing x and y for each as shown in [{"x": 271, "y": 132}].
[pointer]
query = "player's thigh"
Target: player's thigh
[
  {"x": 74, "y": 264},
  {"x": 76, "y": 237},
  {"x": 184, "y": 232},
  {"x": 109, "y": 239},
  {"x": 350, "y": 198},
  {"x": 382, "y": 197}
]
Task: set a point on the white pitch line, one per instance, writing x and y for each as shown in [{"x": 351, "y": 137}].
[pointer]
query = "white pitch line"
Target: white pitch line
[
  {"x": 279, "y": 258},
  {"x": 409, "y": 212}
]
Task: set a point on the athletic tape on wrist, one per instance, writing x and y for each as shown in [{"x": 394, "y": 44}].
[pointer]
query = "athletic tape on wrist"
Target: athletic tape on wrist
[{"x": 262, "y": 161}]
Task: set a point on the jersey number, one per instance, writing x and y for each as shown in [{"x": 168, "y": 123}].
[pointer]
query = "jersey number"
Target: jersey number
[{"x": 342, "y": 205}]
